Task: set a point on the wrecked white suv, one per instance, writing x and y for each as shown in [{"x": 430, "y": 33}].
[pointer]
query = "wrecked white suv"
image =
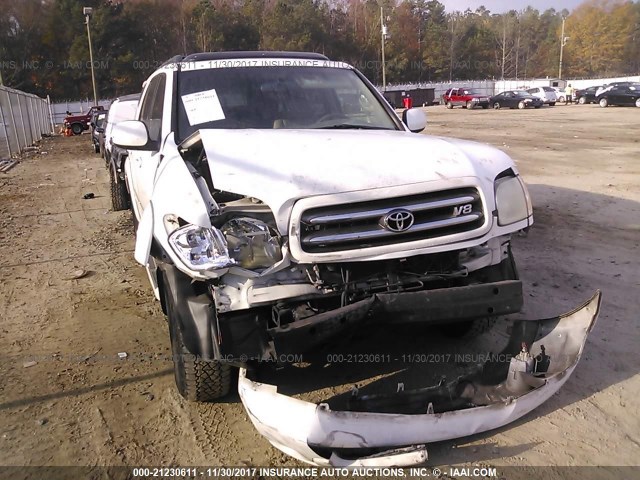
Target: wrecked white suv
[
  {"x": 280, "y": 200},
  {"x": 282, "y": 204}
]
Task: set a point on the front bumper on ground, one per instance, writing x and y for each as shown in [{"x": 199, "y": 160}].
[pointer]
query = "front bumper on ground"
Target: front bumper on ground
[{"x": 486, "y": 399}]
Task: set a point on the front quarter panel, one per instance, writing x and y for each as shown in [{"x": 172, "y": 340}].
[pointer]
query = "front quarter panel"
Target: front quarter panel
[{"x": 175, "y": 192}]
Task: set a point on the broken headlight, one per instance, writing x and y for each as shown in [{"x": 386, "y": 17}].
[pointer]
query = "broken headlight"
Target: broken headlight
[
  {"x": 200, "y": 248},
  {"x": 512, "y": 200},
  {"x": 251, "y": 243}
]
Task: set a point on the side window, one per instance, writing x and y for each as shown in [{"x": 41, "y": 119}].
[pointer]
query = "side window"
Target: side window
[{"x": 151, "y": 111}]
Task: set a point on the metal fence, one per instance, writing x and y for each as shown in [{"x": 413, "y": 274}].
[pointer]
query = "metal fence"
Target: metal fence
[{"x": 24, "y": 118}]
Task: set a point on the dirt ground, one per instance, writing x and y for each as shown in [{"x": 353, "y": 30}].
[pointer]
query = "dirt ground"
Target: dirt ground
[{"x": 66, "y": 398}]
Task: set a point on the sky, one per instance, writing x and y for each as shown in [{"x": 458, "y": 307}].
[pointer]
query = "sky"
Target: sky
[{"x": 500, "y": 6}]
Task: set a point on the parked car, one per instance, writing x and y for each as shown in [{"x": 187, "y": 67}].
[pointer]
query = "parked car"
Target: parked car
[
  {"x": 122, "y": 108},
  {"x": 80, "y": 123},
  {"x": 97, "y": 128},
  {"x": 546, "y": 94},
  {"x": 465, "y": 97},
  {"x": 515, "y": 99},
  {"x": 609, "y": 86},
  {"x": 219, "y": 188},
  {"x": 257, "y": 249},
  {"x": 622, "y": 95},
  {"x": 586, "y": 95},
  {"x": 561, "y": 95}
]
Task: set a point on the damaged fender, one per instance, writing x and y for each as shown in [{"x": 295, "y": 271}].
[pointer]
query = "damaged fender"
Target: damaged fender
[
  {"x": 374, "y": 432},
  {"x": 175, "y": 192}
]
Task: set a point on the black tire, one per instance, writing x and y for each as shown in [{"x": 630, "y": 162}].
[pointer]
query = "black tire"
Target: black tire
[
  {"x": 496, "y": 106},
  {"x": 552, "y": 104},
  {"x": 449, "y": 105},
  {"x": 119, "y": 194},
  {"x": 197, "y": 380},
  {"x": 522, "y": 105},
  {"x": 604, "y": 103},
  {"x": 470, "y": 105},
  {"x": 582, "y": 100},
  {"x": 76, "y": 128},
  {"x": 470, "y": 329},
  {"x": 638, "y": 102}
]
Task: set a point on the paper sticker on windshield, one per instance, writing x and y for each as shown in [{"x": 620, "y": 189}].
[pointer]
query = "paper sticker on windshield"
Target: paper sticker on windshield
[{"x": 202, "y": 107}]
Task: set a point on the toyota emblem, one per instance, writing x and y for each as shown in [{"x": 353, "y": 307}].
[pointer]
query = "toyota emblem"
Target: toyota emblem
[{"x": 398, "y": 220}]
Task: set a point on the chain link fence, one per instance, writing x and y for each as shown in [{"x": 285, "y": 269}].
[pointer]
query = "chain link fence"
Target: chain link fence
[{"x": 24, "y": 119}]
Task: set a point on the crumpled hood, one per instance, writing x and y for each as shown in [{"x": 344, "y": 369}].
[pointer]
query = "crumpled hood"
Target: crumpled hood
[{"x": 279, "y": 166}]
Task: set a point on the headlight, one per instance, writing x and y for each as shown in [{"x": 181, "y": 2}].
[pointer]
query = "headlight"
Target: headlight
[
  {"x": 512, "y": 200},
  {"x": 200, "y": 248},
  {"x": 251, "y": 243}
]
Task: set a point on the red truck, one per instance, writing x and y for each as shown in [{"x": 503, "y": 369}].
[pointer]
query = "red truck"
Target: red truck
[
  {"x": 466, "y": 98},
  {"x": 80, "y": 123}
]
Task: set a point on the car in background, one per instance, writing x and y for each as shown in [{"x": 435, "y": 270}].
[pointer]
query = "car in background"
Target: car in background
[
  {"x": 561, "y": 95},
  {"x": 621, "y": 95},
  {"x": 122, "y": 109},
  {"x": 79, "y": 123},
  {"x": 609, "y": 86},
  {"x": 586, "y": 95},
  {"x": 465, "y": 98},
  {"x": 97, "y": 128},
  {"x": 546, "y": 94},
  {"x": 515, "y": 99}
]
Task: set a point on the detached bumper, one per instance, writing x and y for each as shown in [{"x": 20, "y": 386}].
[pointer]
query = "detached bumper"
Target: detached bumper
[{"x": 481, "y": 401}]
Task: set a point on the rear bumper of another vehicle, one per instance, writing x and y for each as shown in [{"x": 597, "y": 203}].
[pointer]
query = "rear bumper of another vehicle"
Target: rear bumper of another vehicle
[{"x": 368, "y": 433}]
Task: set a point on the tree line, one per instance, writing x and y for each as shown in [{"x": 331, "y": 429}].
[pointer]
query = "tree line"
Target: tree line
[{"x": 44, "y": 47}]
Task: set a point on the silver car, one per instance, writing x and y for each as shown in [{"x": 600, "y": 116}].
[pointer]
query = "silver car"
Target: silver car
[{"x": 546, "y": 94}]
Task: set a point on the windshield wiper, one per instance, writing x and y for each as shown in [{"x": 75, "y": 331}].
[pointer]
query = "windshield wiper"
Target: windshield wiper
[{"x": 347, "y": 126}]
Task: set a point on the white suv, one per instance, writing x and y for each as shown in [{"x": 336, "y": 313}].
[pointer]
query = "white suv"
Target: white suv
[
  {"x": 282, "y": 203},
  {"x": 281, "y": 200},
  {"x": 546, "y": 94}
]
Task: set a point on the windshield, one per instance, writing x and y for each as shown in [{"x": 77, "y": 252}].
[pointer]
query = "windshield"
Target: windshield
[
  {"x": 277, "y": 97},
  {"x": 522, "y": 93},
  {"x": 472, "y": 92}
]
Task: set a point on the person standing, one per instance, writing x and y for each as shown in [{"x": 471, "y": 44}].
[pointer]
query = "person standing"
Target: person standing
[{"x": 570, "y": 92}]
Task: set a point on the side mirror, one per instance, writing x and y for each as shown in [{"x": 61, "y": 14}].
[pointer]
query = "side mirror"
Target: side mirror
[
  {"x": 415, "y": 119},
  {"x": 100, "y": 130},
  {"x": 132, "y": 135}
]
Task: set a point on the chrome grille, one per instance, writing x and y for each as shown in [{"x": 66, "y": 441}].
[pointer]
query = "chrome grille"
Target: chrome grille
[{"x": 361, "y": 225}]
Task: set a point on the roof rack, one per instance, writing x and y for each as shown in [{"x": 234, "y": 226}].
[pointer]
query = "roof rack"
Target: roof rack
[{"x": 199, "y": 57}]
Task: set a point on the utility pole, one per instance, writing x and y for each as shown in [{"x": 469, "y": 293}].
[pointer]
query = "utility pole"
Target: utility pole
[
  {"x": 87, "y": 13},
  {"x": 563, "y": 42},
  {"x": 383, "y": 31}
]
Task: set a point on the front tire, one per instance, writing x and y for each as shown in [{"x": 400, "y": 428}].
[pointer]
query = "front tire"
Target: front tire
[
  {"x": 496, "y": 106},
  {"x": 76, "y": 128},
  {"x": 552, "y": 104},
  {"x": 582, "y": 100},
  {"x": 119, "y": 194},
  {"x": 449, "y": 105},
  {"x": 470, "y": 105},
  {"x": 638, "y": 102},
  {"x": 522, "y": 105},
  {"x": 197, "y": 380},
  {"x": 604, "y": 103}
]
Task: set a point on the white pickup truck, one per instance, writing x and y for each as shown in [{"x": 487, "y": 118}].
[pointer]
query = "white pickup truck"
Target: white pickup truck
[{"x": 280, "y": 201}]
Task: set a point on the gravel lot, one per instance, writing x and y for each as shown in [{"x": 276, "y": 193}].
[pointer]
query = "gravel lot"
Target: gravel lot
[{"x": 80, "y": 404}]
